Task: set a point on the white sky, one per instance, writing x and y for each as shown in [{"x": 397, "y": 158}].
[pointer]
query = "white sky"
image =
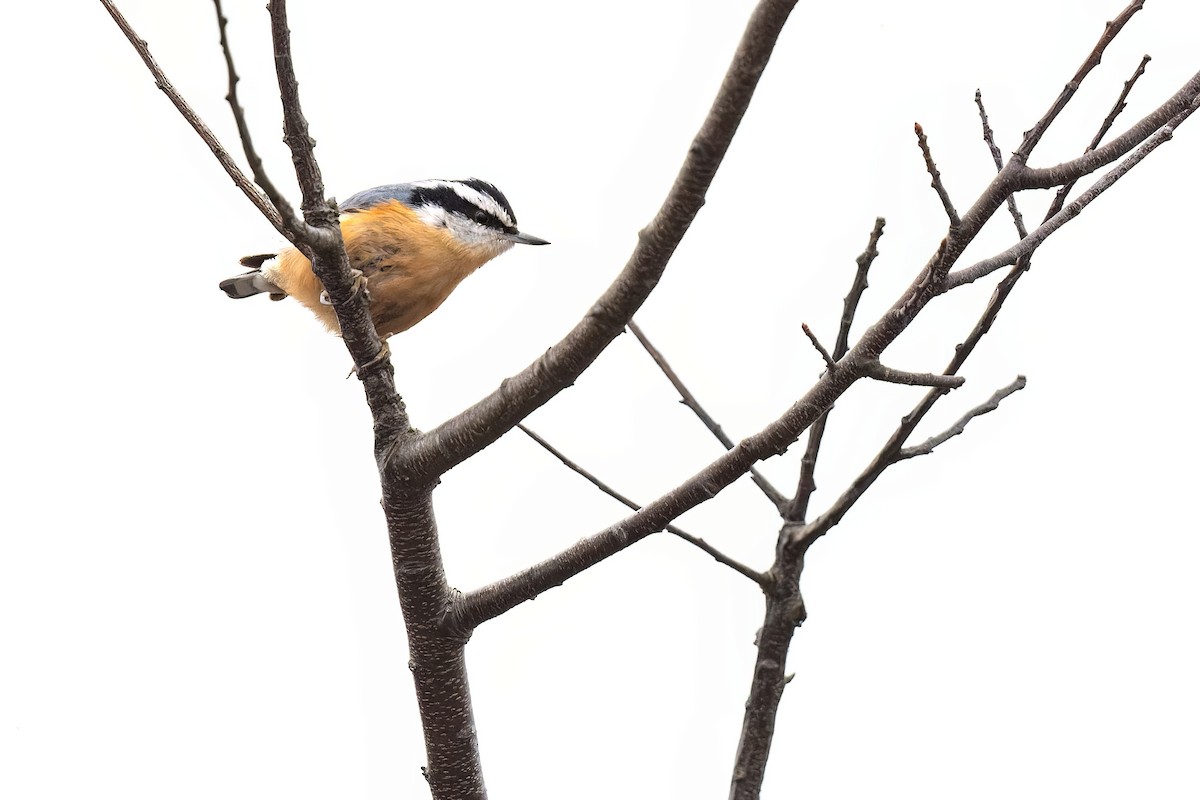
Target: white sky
[{"x": 195, "y": 593}]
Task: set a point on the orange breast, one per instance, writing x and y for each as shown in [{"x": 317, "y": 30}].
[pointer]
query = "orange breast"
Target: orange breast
[{"x": 410, "y": 267}]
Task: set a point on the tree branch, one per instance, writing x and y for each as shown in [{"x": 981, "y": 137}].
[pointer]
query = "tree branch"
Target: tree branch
[
  {"x": 830, "y": 363},
  {"x": 322, "y": 242},
  {"x": 688, "y": 399},
  {"x": 478, "y": 606},
  {"x": 990, "y": 140},
  {"x": 938, "y": 186},
  {"x": 223, "y": 157},
  {"x": 1025, "y": 247},
  {"x": 1111, "y": 29},
  {"x": 877, "y": 371},
  {"x": 1061, "y": 196},
  {"x": 991, "y": 404},
  {"x": 798, "y": 507},
  {"x": 720, "y": 557},
  {"x": 472, "y": 430},
  {"x": 239, "y": 118}
]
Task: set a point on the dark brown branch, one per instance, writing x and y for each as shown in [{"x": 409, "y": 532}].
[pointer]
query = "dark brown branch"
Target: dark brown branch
[
  {"x": 226, "y": 160},
  {"x": 1025, "y": 247},
  {"x": 720, "y": 557},
  {"x": 1111, "y": 29},
  {"x": 1060, "y": 197},
  {"x": 830, "y": 363},
  {"x": 239, "y": 118},
  {"x": 877, "y": 371},
  {"x": 480, "y": 425},
  {"x": 493, "y": 600},
  {"x": 798, "y": 507},
  {"x": 476, "y": 607},
  {"x": 931, "y": 167},
  {"x": 436, "y": 661},
  {"x": 1169, "y": 113},
  {"x": 857, "y": 287},
  {"x": 689, "y": 400},
  {"x": 322, "y": 243},
  {"x": 991, "y": 404}
]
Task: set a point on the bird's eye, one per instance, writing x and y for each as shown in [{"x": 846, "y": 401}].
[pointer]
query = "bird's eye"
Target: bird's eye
[{"x": 481, "y": 217}]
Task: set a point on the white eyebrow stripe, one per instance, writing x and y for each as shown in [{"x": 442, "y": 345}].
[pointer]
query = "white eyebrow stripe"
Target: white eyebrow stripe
[{"x": 476, "y": 198}]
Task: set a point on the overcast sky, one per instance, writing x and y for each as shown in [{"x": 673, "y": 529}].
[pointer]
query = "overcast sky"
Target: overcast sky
[{"x": 195, "y": 588}]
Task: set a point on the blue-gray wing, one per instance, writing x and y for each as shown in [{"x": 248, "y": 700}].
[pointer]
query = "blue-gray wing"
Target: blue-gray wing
[{"x": 380, "y": 194}]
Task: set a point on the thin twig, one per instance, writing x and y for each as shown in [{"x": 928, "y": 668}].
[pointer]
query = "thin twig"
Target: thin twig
[
  {"x": 1026, "y": 246},
  {"x": 239, "y": 118},
  {"x": 991, "y": 404},
  {"x": 990, "y": 139},
  {"x": 937, "y": 184},
  {"x": 1060, "y": 197},
  {"x": 231, "y": 168},
  {"x": 857, "y": 287},
  {"x": 889, "y": 453},
  {"x": 877, "y": 371},
  {"x": 830, "y": 363},
  {"x": 689, "y": 400},
  {"x": 752, "y": 574},
  {"x": 1111, "y": 29},
  {"x": 798, "y": 507}
]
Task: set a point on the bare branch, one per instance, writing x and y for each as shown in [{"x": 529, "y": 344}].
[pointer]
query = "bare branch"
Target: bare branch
[
  {"x": 798, "y": 507},
  {"x": 937, "y": 184},
  {"x": 476, "y": 607},
  {"x": 1061, "y": 196},
  {"x": 689, "y": 400},
  {"x": 620, "y": 498},
  {"x": 998, "y": 159},
  {"x": 1026, "y": 246},
  {"x": 231, "y": 168},
  {"x": 812, "y": 337},
  {"x": 239, "y": 118},
  {"x": 322, "y": 243},
  {"x": 1111, "y": 29},
  {"x": 480, "y": 425},
  {"x": 857, "y": 287},
  {"x": 1170, "y": 113},
  {"x": 991, "y": 404},
  {"x": 877, "y": 371}
]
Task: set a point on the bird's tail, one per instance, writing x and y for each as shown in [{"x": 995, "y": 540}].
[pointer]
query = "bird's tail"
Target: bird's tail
[{"x": 252, "y": 283}]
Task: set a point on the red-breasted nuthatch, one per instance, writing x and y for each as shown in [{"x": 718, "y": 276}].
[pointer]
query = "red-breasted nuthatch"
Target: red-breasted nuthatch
[{"x": 412, "y": 242}]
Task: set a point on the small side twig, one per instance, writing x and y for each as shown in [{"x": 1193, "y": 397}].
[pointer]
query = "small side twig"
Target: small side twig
[
  {"x": 720, "y": 557},
  {"x": 1027, "y": 245},
  {"x": 239, "y": 118},
  {"x": 1060, "y": 197},
  {"x": 231, "y": 168},
  {"x": 936, "y": 175},
  {"x": 991, "y": 404},
  {"x": 879, "y": 372},
  {"x": 989, "y": 138},
  {"x": 798, "y": 507},
  {"x": 816, "y": 343},
  {"x": 857, "y": 287},
  {"x": 689, "y": 400}
]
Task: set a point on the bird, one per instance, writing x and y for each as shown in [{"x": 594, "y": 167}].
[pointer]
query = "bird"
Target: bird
[{"x": 414, "y": 243}]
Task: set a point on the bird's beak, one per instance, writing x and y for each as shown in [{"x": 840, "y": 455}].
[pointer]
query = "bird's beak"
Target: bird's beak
[{"x": 523, "y": 238}]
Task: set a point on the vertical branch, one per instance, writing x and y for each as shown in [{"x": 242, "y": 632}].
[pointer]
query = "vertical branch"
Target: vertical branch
[
  {"x": 322, "y": 243},
  {"x": 797, "y": 509}
]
